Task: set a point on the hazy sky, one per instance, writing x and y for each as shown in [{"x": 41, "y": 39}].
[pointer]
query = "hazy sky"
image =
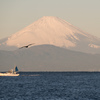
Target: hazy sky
[{"x": 17, "y": 14}]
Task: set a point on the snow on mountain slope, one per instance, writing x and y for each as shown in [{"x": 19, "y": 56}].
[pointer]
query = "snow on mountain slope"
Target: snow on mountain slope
[
  {"x": 54, "y": 31},
  {"x": 47, "y": 30}
]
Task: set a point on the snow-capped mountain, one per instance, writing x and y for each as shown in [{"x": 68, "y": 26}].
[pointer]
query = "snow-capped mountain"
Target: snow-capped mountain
[{"x": 55, "y": 31}]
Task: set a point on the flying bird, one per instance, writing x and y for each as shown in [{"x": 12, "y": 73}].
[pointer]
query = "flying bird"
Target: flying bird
[{"x": 26, "y": 46}]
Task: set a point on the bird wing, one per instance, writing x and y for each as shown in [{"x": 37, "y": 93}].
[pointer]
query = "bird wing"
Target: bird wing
[
  {"x": 22, "y": 47},
  {"x": 26, "y": 46},
  {"x": 30, "y": 44}
]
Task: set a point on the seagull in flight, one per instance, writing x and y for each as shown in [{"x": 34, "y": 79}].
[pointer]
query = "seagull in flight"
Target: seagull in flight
[{"x": 26, "y": 46}]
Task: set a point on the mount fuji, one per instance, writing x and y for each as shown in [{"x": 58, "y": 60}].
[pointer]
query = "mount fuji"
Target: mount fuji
[
  {"x": 52, "y": 45},
  {"x": 50, "y": 30}
]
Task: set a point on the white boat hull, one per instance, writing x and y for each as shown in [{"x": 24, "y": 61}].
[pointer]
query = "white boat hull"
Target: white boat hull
[{"x": 8, "y": 74}]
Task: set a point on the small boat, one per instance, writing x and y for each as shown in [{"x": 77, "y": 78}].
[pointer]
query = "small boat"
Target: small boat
[{"x": 11, "y": 72}]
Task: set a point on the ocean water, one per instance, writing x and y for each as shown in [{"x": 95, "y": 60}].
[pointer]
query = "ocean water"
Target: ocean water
[{"x": 51, "y": 86}]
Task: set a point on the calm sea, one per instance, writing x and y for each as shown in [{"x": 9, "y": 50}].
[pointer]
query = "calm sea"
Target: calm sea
[{"x": 51, "y": 86}]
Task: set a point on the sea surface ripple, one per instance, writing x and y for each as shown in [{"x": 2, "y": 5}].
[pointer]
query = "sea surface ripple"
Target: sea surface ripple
[{"x": 51, "y": 86}]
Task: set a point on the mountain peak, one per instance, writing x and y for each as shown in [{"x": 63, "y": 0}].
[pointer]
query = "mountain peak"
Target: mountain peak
[
  {"x": 52, "y": 19},
  {"x": 49, "y": 17}
]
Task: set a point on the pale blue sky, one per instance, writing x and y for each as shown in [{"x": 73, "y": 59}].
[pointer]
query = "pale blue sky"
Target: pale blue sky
[{"x": 17, "y": 14}]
